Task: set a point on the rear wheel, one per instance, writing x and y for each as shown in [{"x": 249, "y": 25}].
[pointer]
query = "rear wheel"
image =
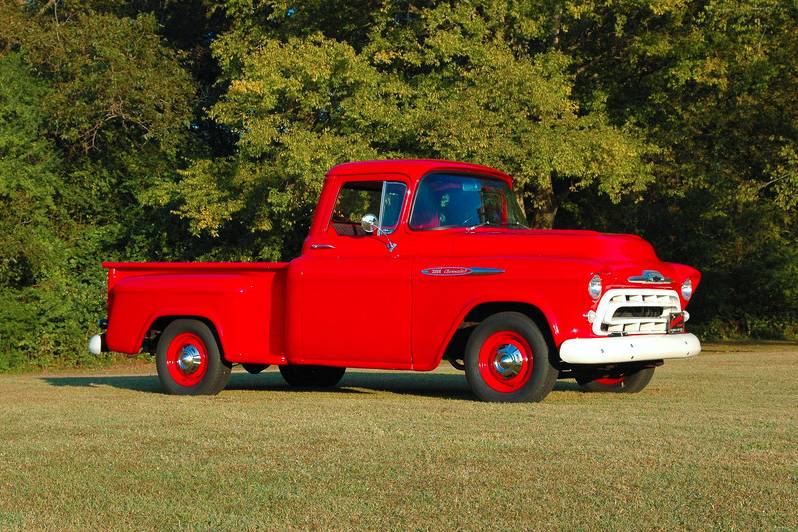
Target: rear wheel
[
  {"x": 507, "y": 360},
  {"x": 254, "y": 368},
  {"x": 188, "y": 360},
  {"x": 629, "y": 382},
  {"x": 312, "y": 376}
]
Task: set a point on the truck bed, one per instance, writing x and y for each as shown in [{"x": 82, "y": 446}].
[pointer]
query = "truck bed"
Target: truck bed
[{"x": 244, "y": 300}]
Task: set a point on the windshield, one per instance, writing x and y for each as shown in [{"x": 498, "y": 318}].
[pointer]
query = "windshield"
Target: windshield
[{"x": 456, "y": 200}]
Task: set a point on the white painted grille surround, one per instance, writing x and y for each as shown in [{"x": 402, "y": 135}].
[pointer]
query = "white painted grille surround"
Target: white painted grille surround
[{"x": 629, "y": 300}]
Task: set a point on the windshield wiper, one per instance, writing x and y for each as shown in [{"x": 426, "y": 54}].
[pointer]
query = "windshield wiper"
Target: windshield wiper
[
  {"x": 483, "y": 224},
  {"x": 503, "y": 224},
  {"x": 515, "y": 224}
]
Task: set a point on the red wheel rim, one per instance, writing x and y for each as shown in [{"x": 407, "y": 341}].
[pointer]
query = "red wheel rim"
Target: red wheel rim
[
  {"x": 505, "y": 361},
  {"x": 609, "y": 381},
  {"x": 187, "y": 359}
]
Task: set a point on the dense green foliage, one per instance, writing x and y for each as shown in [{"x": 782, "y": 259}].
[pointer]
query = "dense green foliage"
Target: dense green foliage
[{"x": 171, "y": 130}]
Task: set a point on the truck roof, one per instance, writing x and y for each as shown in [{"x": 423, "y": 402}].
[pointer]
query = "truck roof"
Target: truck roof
[{"x": 413, "y": 168}]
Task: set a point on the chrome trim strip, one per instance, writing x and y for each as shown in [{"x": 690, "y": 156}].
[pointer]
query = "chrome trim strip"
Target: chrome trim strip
[
  {"x": 322, "y": 246},
  {"x": 486, "y": 271},
  {"x": 459, "y": 271}
]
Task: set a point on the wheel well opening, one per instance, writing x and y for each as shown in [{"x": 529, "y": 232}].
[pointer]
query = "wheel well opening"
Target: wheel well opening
[
  {"x": 154, "y": 331},
  {"x": 456, "y": 348}
]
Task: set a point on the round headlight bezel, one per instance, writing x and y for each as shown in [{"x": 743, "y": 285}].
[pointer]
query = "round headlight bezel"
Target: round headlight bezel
[
  {"x": 594, "y": 287},
  {"x": 687, "y": 289}
]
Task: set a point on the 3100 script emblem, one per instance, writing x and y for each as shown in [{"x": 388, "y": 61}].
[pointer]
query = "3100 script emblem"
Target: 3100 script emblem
[{"x": 459, "y": 271}]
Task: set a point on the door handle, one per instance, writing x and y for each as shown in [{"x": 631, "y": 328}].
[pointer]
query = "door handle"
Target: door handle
[{"x": 322, "y": 246}]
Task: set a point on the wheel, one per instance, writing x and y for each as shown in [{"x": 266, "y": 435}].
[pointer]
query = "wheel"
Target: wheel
[
  {"x": 630, "y": 382},
  {"x": 188, "y": 360},
  {"x": 312, "y": 376},
  {"x": 507, "y": 360},
  {"x": 254, "y": 368}
]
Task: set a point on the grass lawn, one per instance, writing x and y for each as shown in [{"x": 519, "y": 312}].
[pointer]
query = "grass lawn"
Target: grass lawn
[{"x": 711, "y": 443}]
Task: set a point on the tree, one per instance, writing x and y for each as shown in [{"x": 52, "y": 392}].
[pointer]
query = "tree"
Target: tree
[
  {"x": 439, "y": 82},
  {"x": 711, "y": 85},
  {"x": 196, "y": 129},
  {"x": 35, "y": 234},
  {"x": 96, "y": 110}
]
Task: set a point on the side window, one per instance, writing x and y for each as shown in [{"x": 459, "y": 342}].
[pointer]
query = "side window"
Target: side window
[
  {"x": 357, "y": 198},
  {"x": 393, "y": 195}
]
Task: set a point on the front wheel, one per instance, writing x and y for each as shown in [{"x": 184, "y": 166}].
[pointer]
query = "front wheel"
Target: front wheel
[
  {"x": 629, "y": 382},
  {"x": 188, "y": 360},
  {"x": 507, "y": 360},
  {"x": 312, "y": 376}
]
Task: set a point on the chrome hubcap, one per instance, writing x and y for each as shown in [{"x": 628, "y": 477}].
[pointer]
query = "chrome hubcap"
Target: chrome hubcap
[
  {"x": 508, "y": 361},
  {"x": 189, "y": 360}
]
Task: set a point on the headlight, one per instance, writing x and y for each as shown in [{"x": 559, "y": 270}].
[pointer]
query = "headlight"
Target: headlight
[
  {"x": 594, "y": 287},
  {"x": 687, "y": 289}
]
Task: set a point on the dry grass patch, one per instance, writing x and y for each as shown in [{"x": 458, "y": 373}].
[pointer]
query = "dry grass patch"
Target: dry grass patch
[{"x": 711, "y": 443}]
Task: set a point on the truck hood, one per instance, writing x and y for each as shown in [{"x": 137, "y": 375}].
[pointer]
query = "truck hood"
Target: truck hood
[
  {"x": 616, "y": 257},
  {"x": 586, "y": 245}
]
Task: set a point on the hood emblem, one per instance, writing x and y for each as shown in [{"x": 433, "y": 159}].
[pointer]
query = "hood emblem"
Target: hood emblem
[
  {"x": 649, "y": 277},
  {"x": 459, "y": 271}
]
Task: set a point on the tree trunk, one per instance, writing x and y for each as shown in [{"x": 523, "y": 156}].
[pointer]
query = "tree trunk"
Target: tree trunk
[
  {"x": 547, "y": 210},
  {"x": 545, "y": 205}
]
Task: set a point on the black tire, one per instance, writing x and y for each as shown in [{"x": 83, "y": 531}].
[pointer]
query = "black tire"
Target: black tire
[
  {"x": 631, "y": 382},
  {"x": 536, "y": 376},
  {"x": 254, "y": 368},
  {"x": 303, "y": 376},
  {"x": 209, "y": 380}
]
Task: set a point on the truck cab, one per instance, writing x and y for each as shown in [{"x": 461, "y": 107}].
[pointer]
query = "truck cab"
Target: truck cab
[{"x": 408, "y": 264}]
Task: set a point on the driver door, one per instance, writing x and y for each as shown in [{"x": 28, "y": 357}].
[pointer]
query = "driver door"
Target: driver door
[{"x": 356, "y": 292}]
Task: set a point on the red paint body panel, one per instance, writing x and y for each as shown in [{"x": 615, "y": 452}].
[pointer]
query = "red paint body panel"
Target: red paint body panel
[
  {"x": 243, "y": 301},
  {"x": 350, "y": 302}
]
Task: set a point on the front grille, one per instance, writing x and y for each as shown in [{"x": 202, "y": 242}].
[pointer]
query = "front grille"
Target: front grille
[
  {"x": 630, "y": 311},
  {"x": 638, "y": 312}
]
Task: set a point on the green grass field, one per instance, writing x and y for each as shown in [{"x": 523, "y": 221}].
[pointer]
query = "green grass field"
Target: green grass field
[{"x": 711, "y": 443}]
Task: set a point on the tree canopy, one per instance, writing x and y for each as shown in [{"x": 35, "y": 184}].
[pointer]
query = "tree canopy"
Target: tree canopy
[{"x": 143, "y": 130}]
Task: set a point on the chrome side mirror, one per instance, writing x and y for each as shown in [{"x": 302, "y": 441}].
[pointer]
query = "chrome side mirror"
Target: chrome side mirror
[{"x": 369, "y": 223}]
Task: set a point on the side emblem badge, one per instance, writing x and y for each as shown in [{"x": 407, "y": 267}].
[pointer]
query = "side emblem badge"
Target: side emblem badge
[{"x": 459, "y": 271}]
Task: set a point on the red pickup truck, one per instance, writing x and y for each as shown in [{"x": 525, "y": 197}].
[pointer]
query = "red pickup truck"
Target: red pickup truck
[{"x": 408, "y": 263}]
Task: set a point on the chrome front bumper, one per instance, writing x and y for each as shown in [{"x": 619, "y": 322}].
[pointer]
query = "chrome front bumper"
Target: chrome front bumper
[{"x": 618, "y": 349}]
